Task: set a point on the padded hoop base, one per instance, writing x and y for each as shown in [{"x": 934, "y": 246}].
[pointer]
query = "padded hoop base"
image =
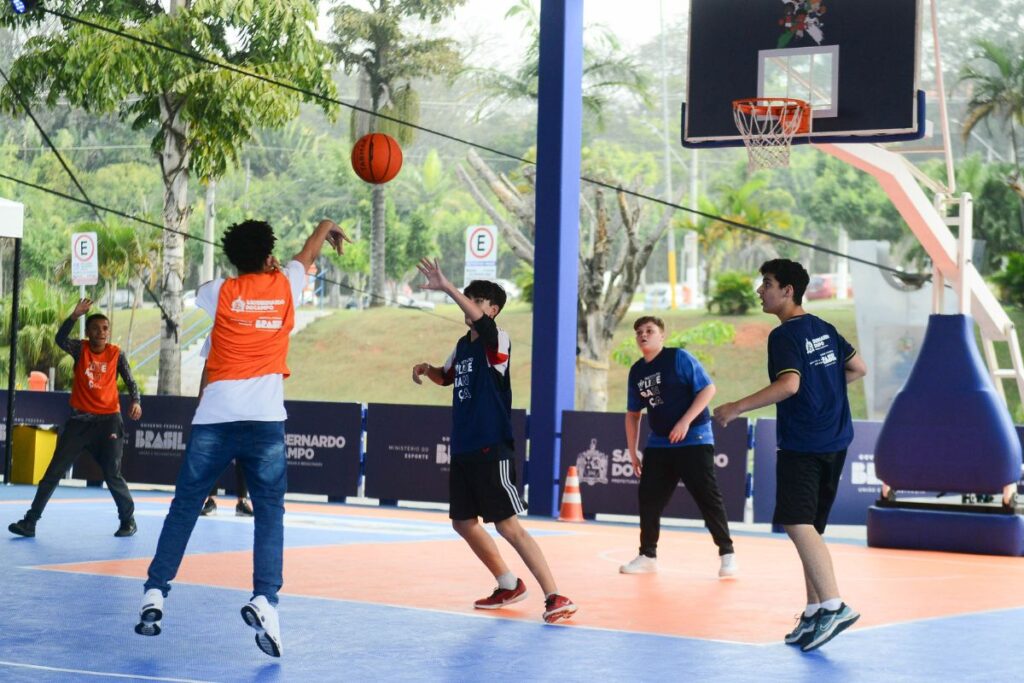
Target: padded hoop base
[{"x": 956, "y": 532}]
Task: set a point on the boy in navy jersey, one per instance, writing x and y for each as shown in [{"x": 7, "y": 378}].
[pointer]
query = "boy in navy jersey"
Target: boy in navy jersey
[
  {"x": 674, "y": 388},
  {"x": 809, "y": 366},
  {"x": 482, "y": 477}
]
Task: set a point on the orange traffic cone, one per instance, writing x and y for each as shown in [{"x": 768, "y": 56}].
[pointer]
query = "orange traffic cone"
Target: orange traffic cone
[{"x": 572, "y": 503}]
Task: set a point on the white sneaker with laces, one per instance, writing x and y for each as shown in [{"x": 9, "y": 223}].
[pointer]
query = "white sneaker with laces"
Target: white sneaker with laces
[
  {"x": 641, "y": 564},
  {"x": 151, "y": 612},
  {"x": 729, "y": 567},
  {"x": 262, "y": 616}
]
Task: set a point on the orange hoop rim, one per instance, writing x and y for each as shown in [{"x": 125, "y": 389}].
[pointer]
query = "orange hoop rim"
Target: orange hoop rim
[{"x": 781, "y": 108}]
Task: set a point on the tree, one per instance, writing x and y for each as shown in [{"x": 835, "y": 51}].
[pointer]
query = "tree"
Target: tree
[
  {"x": 996, "y": 78},
  {"x": 199, "y": 115},
  {"x": 387, "y": 57},
  {"x": 42, "y": 307},
  {"x": 613, "y": 252}
]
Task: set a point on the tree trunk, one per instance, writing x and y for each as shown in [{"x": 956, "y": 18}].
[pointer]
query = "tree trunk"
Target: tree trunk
[
  {"x": 174, "y": 160},
  {"x": 208, "y": 230},
  {"x": 378, "y": 278},
  {"x": 592, "y": 363},
  {"x": 134, "y": 288}
]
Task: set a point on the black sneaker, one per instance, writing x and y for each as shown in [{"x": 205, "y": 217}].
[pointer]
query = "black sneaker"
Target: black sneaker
[
  {"x": 209, "y": 507},
  {"x": 243, "y": 509},
  {"x": 804, "y": 629},
  {"x": 24, "y": 527},
  {"x": 127, "y": 528},
  {"x": 830, "y": 624}
]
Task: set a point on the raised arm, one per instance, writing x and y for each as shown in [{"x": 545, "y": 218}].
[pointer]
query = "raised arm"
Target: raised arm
[
  {"x": 437, "y": 281},
  {"x": 62, "y": 338}
]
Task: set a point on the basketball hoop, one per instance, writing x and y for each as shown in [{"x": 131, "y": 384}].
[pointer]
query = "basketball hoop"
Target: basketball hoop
[{"x": 767, "y": 126}]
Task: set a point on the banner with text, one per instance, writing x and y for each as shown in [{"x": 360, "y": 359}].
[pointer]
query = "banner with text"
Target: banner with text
[
  {"x": 859, "y": 488},
  {"x": 407, "y": 451},
  {"x": 596, "y": 444}
]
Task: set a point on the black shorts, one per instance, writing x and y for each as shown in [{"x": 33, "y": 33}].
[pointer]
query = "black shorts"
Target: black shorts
[
  {"x": 805, "y": 487},
  {"x": 483, "y": 489}
]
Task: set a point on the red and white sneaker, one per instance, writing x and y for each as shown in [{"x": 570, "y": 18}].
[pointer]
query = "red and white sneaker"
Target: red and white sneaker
[
  {"x": 558, "y": 607},
  {"x": 502, "y": 596}
]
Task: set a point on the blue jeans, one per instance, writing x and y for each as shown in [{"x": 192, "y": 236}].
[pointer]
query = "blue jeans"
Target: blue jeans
[{"x": 259, "y": 449}]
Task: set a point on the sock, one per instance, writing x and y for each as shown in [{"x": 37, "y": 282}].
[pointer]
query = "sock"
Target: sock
[
  {"x": 832, "y": 605},
  {"x": 507, "y": 581},
  {"x": 812, "y": 607}
]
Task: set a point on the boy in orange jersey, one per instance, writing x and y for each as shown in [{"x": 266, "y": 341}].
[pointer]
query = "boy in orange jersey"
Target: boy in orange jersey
[
  {"x": 95, "y": 424},
  {"x": 241, "y": 416}
]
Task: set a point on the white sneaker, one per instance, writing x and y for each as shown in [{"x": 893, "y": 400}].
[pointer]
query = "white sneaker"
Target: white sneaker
[
  {"x": 729, "y": 568},
  {"x": 641, "y": 564},
  {"x": 151, "y": 612},
  {"x": 262, "y": 616}
]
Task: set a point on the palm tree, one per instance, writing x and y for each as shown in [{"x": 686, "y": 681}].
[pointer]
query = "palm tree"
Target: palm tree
[
  {"x": 42, "y": 307},
  {"x": 996, "y": 77},
  {"x": 386, "y": 58}
]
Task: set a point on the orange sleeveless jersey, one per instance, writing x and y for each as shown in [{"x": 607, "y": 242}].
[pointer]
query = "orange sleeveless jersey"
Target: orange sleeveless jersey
[
  {"x": 255, "y": 314},
  {"x": 94, "y": 389}
]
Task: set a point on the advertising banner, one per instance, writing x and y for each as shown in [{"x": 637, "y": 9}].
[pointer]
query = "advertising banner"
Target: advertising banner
[
  {"x": 859, "y": 488},
  {"x": 323, "y": 443},
  {"x": 596, "y": 444},
  {"x": 407, "y": 451},
  {"x": 154, "y": 444}
]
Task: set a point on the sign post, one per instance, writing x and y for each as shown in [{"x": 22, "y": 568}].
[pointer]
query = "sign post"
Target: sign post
[
  {"x": 85, "y": 265},
  {"x": 481, "y": 253}
]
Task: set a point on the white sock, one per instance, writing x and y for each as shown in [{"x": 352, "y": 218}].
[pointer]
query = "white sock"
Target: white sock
[
  {"x": 812, "y": 607},
  {"x": 832, "y": 605},
  {"x": 508, "y": 581}
]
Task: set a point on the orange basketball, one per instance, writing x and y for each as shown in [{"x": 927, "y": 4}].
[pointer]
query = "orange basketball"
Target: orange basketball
[{"x": 376, "y": 158}]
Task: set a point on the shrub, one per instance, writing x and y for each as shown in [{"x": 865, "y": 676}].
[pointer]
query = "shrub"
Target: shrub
[
  {"x": 734, "y": 294},
  {"x": 1010, "y": 279}
]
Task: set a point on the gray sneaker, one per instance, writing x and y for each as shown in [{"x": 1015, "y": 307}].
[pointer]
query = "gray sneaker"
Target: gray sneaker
[
  {"x": 804, "y": 629},
  {"x": 830, "y": 625}
]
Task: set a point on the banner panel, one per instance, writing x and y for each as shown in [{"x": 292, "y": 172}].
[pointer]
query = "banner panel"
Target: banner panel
[
  {"x": 596, "y": 444},
  {"x": 33, "y": 408},
  {"x": 407, "y": 451}
]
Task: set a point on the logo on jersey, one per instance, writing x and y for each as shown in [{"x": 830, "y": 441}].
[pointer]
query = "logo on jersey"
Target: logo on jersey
[
  {"x": 650, "y": 389},
  {"x": 241, "y": 305},
  {"x": 592, "y": 465}
]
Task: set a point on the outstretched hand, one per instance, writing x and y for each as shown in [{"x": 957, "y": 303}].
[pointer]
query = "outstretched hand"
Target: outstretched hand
[
  {"x": 432, "y": 271},
  {"x": 336, "y": 237},
  {"x": 82, "y": 307}
]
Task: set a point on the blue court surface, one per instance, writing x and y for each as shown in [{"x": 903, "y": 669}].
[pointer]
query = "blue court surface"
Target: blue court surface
[{"x": 369, "y": 592}]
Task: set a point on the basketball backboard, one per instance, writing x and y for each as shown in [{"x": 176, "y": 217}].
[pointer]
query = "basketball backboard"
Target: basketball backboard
[{"x": 855, "y": 61}]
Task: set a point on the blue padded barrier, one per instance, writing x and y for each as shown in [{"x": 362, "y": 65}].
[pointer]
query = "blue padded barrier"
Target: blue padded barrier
[
  {"x": 958, "y": 532},
  {"x": 948, "y": 429}
]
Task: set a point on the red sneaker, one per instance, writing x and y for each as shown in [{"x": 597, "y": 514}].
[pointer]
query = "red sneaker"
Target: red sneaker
[
  {"x": 558, "y": 607},
  {"x": 502, "y": 596}
]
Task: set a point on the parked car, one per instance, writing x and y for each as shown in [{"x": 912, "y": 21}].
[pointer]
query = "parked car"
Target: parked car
[
  {"x": 820, "y": 287},
  {"x": 405, "y": 301},
  {"x": 658, "y": 296},
  {"x": 188, "y": 298},
  {"x": 510, "y": 288}
]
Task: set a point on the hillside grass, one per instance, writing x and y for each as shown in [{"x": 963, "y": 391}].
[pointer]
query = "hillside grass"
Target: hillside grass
[{"x": 367, "y": 356}]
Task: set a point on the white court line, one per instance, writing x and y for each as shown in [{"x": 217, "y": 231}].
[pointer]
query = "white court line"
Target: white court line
[{"x": 86, "y": 672}]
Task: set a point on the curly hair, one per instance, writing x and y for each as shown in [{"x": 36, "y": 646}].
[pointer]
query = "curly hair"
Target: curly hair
[
  {"x": 485, "y": 289},
  {"x": 787, "y": 273},
  {"x": 248, "y": 244}
]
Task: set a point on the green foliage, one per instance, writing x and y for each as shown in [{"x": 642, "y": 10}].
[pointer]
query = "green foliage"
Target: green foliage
[
  {"x": 523, "y": 277},
  {"x": 706, "y": 335},
  {"x": 41, "y": 309},
  {"x": 734, "y": 294},
  {"x": 1010, "y": 279},
  {"x": 996, "y": 77}
]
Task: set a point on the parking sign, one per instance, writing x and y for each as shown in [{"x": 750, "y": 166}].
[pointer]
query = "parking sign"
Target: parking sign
[
  {"x": 85, "y": 264},
  {"x": 481, "y": 253}
]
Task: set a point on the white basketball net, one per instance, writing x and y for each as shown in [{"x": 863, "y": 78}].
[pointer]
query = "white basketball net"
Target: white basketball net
[{"x": 767, "y": 127}]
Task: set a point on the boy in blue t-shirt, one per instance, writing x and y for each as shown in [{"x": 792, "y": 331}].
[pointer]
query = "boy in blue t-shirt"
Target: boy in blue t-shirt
[
  {"x": 674, "y": 388},
  {"x": 482, "y": 476},
  {"x": 809, "y": 366}
]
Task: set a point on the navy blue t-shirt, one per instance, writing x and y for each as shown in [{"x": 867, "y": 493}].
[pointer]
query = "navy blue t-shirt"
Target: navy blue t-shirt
[
  {"x": 482, "y": 392},
  {"x": 817, "y": 418},
  {"x": 666, "y": 387}
]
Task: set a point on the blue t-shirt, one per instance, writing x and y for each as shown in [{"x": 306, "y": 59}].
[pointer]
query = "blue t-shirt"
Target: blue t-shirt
[
  {"x": 482, "y": 392},
  {"x": 666, "y": 387},
  {"x": 817, "y": 418}
]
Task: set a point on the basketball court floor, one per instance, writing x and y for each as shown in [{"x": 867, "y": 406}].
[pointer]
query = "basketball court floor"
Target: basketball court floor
[{"x": 386, "y": 594}]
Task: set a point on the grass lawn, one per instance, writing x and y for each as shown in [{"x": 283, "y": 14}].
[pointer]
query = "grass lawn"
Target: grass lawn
[{"x": 367, "y": 356}]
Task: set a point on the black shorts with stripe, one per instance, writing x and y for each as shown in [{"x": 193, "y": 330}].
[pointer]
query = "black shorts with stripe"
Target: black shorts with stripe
[{"x": 484, "y": 488}]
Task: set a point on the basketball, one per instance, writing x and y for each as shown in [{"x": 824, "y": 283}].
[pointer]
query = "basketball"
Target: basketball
[{"x": 376, "y": 158}]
